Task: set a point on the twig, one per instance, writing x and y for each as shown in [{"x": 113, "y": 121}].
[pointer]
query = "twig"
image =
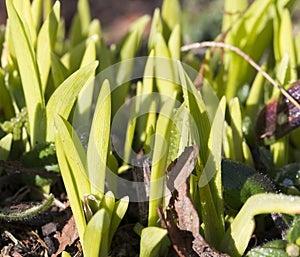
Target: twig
[{"x": 245, "y": 57}]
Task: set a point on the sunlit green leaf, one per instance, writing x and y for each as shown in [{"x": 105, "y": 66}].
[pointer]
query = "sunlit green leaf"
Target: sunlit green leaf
[
  {"x": 151, "y": 239},
  {"x": 159, "y": 160},
  {"x": 68, "y": 91},
  {"x": 236, "y": 126},
  {"x": 96, "y": 231},
  {"x": 70, "y": 185},
  {"x": 80, "y": 23},
  {"x": 120, "y": 209},
  {"x": 58, "y": 69},
  {"x": 75, "y": 155},
  {"x": 45, "y": 44},
  {"x": 5, "y": 146},
  {"x": 156, "y": 28},
  {"x": 24, "y": 50},
  {"x": 240, "y": 231},
  {"x": 98, "y": 145},
  {"x": 171, "y": 15}
]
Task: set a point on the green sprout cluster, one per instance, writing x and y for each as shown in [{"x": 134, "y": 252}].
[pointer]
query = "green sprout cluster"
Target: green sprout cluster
[{"x": 16, "y": 124}]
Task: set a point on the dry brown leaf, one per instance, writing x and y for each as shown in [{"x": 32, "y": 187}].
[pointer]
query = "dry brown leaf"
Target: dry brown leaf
[
  {"x": 182, "y": 221},
  {"x": 68, "y": 236}
]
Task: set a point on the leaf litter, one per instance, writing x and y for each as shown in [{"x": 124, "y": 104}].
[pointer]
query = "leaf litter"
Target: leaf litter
[{"x": 182, "y": 220}]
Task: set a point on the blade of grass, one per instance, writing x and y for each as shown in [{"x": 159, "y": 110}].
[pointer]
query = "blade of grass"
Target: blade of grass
[
  {"x": 129, "y": 48},
  {"x": 94, "y": 234},
  {"x": 5, "y": 146},
  {"x": 171, "y": 16},
  {"x": 82, "y": 113},
  {"x": 23, "y": 47},
  {"x": 118, "y": 214},
  {"x": 159, "y": 160},
  {"x": 142, "y": 126},
  {"x": 72, "y": 59},
  {"x": 164, "y": 70},
  {"x": 68, "y": 91},
  {"x": 45, "y": 44},
  {"x": 75, "y": 155},
  {"x": 98, "y": 146},
  {"x": 210, "y": 181},
  {"x": 58, "y": 70},
  {"x": 174, "y": 43},
  {"x": 236, "y": 126},
  {"x": 151, "y": 239},
  {"x": 156, "y": 28},
  {"x": 36, "y": 10},
  {"x": 6, "y": 103},
  {"x": 23, "y": 9},
  {"x": 71, "y": 187},
  {"x": 240, "y": 231},
  {"x": 80, "y": 23}
]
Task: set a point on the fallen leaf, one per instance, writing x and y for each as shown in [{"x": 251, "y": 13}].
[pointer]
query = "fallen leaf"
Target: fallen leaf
[
  {"x": 68, "y": 236},
  {"x": 182, "y": 220}
]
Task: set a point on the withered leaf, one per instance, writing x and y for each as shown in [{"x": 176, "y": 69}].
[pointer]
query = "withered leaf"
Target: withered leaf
[
  {"x": 67, "y": 237},
  {"x": 182, "y": 221}
]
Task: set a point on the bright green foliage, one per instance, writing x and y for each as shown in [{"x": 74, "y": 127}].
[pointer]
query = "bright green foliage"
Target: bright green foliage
[
  {"x": 48, "y": 90},
  {"x": 151, "y": 240}
]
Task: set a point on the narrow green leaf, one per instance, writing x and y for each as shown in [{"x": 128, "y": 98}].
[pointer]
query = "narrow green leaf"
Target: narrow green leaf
[
  {"x": 240, "y": 231},
  {"x": 196, "y": 106},
  {"x": 142, "y": 126},
  {"x": 46, "y": 7},
  {"x": 98, "y": 146},
  {"x": 6, "y": 102},
  {"x": 96, "y": 230},
  {"x": 280, "y": 152},
  {"x": 131, "y": 125},
  {"x": 68, "y": 91},
  {"x": 5, "y": 145},
  {"x": 73, "y": 58},
  {"x": 36, "y": 10},
  {"x": 255, "y": 96},
  {"x": 82, "y": 113},
  {"x": 129, "y": 48},
  {"x": 70, "y": 185},
  {"x": 118, "y": 214},
  {"x": 247, "y": 154},
  {"x": 75, "y": 155},
  {"x": 252, "y": 33},
  {"x": 24, "y": 11},
  {"x": 286, "y": 43},
  {"x": 236, "y": 126},
  {"x": 282, "y": 71},
  {"x": 156, "y": 28},
  {"x": 45, "y": 44},
  {"x": 293, "y": 233},
  {"x": 232, "y": 11},
  {"x": 165, "y": 76},
  {"x": 80, "y": 23},
  {"x": 159, "y": 160},
  {"x": 171, "y": 15},
  {"x": 180, "y": 133},
  {"x": 58, "y": 70},
  {"x": 23, "y": 47},
  {"x": 210, "y": 181},
  {"x": 89, "y": 54},
  {"x": 174, "y": 43},
  {"x": 151, "y": 239}
]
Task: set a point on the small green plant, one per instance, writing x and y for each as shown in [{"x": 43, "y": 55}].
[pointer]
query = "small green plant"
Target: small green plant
[{"x": 138, "y": 104}]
